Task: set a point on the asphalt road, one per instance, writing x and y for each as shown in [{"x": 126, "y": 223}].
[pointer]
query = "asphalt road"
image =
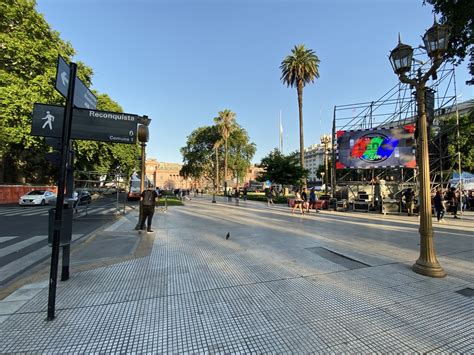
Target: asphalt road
[{"x": 24, "y": 230}]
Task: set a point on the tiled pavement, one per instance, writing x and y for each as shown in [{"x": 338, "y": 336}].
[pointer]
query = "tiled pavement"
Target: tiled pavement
[{"x": 263, "y": 290}]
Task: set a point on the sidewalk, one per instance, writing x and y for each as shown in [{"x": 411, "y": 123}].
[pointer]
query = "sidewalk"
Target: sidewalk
[{"x": 330, "y": 282}]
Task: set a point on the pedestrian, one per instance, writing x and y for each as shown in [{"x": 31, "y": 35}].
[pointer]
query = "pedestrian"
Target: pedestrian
[
  {"x": 237, "y": 196},
  {"x": 312, "y": 200},
  {"x": 298, "y": 202},
  {"x": 269, "y": 196},
  {"x": 439, "y": 206},
  {"x": 244, "y": 194},
  {"x": 304, "y": 197},
  {"x": 148, "y": 201},
  {"x": 410, "y": 201},
  {"x": 464, "y": 201},
  {"x": 453, "y": 201}
]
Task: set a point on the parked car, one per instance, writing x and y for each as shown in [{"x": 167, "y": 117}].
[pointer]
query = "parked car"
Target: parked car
[
  {"x": 83, "y": 197},
  {"x": 37, "y": 197},
  {"x": 80, "y": 197}
]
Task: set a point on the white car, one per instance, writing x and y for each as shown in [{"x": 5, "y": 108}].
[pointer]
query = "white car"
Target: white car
[{"x": 36, "y": 197}]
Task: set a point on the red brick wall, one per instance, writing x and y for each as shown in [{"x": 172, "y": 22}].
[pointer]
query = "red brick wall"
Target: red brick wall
[{"x": 11, "y": 193}]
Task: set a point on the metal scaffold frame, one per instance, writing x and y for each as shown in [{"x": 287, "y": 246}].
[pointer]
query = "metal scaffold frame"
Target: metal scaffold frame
[{"x": 397, "y": 107}]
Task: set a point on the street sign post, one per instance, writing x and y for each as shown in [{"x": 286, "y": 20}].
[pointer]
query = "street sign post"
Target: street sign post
[
  {"x": 112, "y": 127},
  {"x": 83, "y": 97}
]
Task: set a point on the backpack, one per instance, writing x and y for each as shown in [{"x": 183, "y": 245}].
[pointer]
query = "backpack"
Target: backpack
[{"x": 149, "y": 198}]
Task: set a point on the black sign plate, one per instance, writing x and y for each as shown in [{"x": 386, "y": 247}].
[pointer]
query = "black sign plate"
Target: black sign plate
[
  {"x": 83, "y": 97},
  {"x": 94, "y": 125}
]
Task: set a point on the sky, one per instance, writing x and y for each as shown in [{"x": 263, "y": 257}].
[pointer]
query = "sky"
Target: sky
[{"x": 182, "y": 61}]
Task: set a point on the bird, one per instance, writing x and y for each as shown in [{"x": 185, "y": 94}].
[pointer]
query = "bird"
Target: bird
[{"x": 227, "y": 236}]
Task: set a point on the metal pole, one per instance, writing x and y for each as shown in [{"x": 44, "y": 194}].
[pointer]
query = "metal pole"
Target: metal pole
[
  {"x": 65, "y": 137},
  {"x": 333, "y": 152},
  {"x": 427, "y": 263}
]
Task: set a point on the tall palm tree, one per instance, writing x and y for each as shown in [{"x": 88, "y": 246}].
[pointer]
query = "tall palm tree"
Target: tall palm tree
[
  {"x": 225, "y": 122},
  {"x": 298, "y": 69}
]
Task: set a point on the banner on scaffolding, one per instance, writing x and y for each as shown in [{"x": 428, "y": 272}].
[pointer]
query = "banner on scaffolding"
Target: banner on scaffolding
[{"x": 376, "y": 148}]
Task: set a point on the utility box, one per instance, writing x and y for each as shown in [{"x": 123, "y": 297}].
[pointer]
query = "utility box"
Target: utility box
[{"x": 66, "y": 226}]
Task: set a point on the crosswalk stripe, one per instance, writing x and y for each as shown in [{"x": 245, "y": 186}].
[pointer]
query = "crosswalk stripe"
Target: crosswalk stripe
[
  {"x": 20, "y": 264},
  {"x": 21, "y": 245},
  {"x": 15, "y": 267},
  {"x": 7, "y": 238}
]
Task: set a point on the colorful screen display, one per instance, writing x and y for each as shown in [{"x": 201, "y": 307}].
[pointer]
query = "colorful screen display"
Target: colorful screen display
[{"x": 376, "y": 148}]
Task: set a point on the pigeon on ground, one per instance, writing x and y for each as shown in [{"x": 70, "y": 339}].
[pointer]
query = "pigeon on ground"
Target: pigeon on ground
[{"x": 227, "y": 236}]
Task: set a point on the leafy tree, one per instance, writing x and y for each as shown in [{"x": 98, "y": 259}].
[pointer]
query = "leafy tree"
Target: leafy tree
[
  {"x": 283, "y": 169},
  {"x": 205, "y": 144},
  {"x": 199, "y": 153},
  {"x": 298, "y": 69},
  {"x": 29, "y": 50},
  {"x": 241, "y": 152},
  {"x": 459, "y": 16},
  {"x": 225, "y": 122},
  {"x": 465, "y": 144}
]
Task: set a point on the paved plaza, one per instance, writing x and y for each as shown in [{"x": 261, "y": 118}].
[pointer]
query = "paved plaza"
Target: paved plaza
[{"x": 329, "y": 282}]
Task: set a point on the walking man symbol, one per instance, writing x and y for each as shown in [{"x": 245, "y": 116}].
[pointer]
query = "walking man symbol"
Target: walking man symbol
[{"x": 49, "y": 120}]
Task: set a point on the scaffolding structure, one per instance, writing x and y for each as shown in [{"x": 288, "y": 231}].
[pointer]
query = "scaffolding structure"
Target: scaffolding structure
[{"x": 398, "y": 107}]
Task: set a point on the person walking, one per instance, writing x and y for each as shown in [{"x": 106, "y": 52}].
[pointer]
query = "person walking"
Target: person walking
[
  {"x": 438, "y": 203},
  {"x": 410, "y": 201},
  {"x": 298, "y": 202},
  {"x": 269, "y": 196},
  {"x": 148, "y": 201},
  {"x": 464, "y": 201},
  {"x": 453, "y": 201},
  {"x": 244, "y": 194},
  {"x": 304, "y": 197},
  {"x": 312, "y": 200}
]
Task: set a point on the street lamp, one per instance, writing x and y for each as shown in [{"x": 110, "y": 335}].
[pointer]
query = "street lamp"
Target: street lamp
[
  {"x": 325, "y": 140},
  {"x": 142, "y": 136},
  {"x": 436, "y": 42}
]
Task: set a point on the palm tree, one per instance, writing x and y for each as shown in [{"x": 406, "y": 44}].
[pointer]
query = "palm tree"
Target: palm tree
[
  {"x": 226, "y": 124},
  {"x": 298, "y": 69}
]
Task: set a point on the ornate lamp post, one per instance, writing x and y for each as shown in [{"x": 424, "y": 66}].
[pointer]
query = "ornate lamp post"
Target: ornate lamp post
[
  {"x": 142, "y": 136},
  {"x": 436, "y": 42},
  {"x": 325, "y": 140}
]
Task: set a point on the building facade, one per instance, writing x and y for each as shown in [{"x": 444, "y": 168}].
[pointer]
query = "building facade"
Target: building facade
[
  {"x": 166, "y": 176},
  {"x": 313, "y": 158}
]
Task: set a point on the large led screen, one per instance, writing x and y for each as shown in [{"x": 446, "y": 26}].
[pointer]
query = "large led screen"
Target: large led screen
[{"x": 376, "y": 148}]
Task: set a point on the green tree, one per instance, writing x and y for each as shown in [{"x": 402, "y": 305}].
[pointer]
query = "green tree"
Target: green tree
[
  {"x": 465, "y": 143},
  {"x": 241, "y": 152},
  {"x": 30, "y": 49},
  {"x": 283, "y": 169},
  {"x": 199, "y": 153},
  {"x": 225, "y": 122},
  {"x": 298, "y": 69},
  {"x": 204, "y": 149},
  {"x": 459, "y": 16}
]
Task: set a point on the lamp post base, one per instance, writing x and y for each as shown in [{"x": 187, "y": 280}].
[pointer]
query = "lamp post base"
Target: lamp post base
[{"x": 428, "y": 269}]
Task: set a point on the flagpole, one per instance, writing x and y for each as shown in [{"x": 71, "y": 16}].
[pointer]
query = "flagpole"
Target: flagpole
[{"x": 281, "y": 136}]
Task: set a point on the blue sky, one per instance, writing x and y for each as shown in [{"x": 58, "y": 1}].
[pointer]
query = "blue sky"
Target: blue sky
[{"x": 182, "y": 61}]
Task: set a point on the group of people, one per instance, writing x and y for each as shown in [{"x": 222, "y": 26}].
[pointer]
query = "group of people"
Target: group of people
[
  {"x": 449, "y": 201},
  {"x": 303, "y": 202}
]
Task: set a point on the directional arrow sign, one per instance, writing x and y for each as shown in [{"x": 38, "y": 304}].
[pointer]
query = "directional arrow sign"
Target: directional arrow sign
[
  {"x": 83, "y": 97},
  {"x": 94, "y": 125}
]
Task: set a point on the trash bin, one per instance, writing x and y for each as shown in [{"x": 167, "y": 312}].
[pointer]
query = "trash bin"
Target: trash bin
[
  {"x": 66, "y": 226},
  {"x": 333, "y": 204}
]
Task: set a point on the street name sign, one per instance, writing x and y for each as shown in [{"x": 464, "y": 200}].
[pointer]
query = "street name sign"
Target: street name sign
[
  {"x": 112, "y": 127},
  {"x": 83, "y": 97}
]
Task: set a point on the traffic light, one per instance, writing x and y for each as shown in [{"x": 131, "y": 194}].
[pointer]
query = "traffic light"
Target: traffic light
[{"x": 54, "y": 157}]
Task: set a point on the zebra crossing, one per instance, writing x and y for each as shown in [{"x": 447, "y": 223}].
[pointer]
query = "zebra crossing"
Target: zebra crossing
[
  {"x": 16, "y": 245},
  {"x": 44, "y": 210}
]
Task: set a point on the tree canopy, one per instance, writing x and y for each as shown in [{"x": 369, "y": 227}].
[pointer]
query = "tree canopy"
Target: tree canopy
[
  {"x": 199, "y": 154},
  {"x": 30, "y": 49},
  {"x": 459, "y": 16},
  {"x": 282, "y": 169}
]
